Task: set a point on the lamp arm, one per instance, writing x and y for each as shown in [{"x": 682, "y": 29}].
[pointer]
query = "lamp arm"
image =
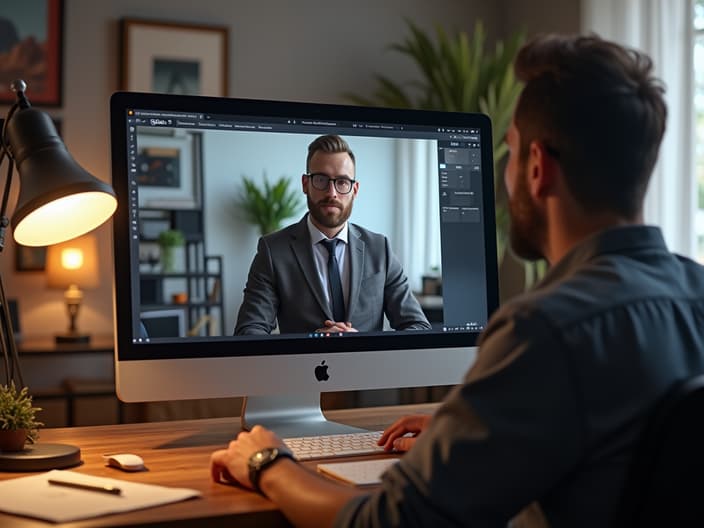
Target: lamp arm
[
  {"x": 8, "y": 348},
  {"x": 18, "y": 86},
  {"x": 7, "y": 339},
  {"x": 4, "y": 220},
  {"x": 5, "y": 152},
  {"x": 11, "y": 360}
]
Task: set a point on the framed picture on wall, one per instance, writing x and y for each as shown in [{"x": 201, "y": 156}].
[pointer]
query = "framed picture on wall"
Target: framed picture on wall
[
  {"x": 174, "y": 58},
  {"x": 30, "y": 258},
  {"x": 167, "y": 169},
  {"x": 31, "y": 42}
]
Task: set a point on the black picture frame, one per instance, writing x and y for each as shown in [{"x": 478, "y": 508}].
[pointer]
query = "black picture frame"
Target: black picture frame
[{"x": 30, "y": 258}]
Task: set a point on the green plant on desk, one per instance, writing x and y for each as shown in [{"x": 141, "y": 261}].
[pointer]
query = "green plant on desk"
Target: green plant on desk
[
  {"x": 18, "y": 415},
  {"x": 169, "y": 240}
]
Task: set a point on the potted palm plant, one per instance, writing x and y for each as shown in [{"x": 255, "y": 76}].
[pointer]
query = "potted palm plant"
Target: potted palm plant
[
  {"x": 169, "y": 240},
  {"x": 18, "y": 423},
  {"x": 268, "y": 206},
  {"x": 460, "y": 74}
]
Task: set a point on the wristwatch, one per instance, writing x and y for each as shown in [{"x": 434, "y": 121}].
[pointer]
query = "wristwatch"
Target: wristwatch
[{"x": 264, "y": 458}]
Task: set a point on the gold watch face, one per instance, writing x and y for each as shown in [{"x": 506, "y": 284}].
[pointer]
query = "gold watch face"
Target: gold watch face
[{"x": 262, "y": 457}]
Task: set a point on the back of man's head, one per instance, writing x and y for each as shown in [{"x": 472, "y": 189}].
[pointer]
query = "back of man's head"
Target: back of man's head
[{"x": 598, "y": 109}]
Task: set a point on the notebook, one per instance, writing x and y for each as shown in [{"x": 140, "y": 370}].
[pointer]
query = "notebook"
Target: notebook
[
  {"x": 34, "y": 496},
  {"x": 358, "y": 472}
]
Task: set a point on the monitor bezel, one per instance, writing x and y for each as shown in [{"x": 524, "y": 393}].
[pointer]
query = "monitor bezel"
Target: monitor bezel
[{"x": 231, "y": 346}]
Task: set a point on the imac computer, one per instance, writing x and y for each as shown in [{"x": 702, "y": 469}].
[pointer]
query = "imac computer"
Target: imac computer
[{"x": 184, "y": 244}]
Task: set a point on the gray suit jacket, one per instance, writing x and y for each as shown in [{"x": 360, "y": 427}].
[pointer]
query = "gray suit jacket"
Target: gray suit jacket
[{"x": 283, "y": 284}]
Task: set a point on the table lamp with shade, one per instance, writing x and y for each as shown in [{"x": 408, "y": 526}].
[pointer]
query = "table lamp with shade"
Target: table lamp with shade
[
  {"x": 73, "y": 265},
  {"x": 58, "y": 201}
]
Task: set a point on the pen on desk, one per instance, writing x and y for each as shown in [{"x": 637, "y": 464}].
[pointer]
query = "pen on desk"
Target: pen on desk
[{"x": 112, "y": 490}]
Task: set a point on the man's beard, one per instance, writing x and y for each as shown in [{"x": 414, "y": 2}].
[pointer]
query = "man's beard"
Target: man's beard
[
  {"x": 527, "y": 228},
  {"x": 329, "y": 219}
]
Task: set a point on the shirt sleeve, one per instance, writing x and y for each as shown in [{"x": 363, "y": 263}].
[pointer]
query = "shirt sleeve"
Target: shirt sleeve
[{"x": 500, "y": 440}]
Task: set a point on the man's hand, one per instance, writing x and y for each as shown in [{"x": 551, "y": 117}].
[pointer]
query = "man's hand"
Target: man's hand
[
  {"x": 393, "y": 437},
  {"x": 333, "y": 326},
  {"x": 230, "y": 465},
  {"x": 305, "y": 497}
]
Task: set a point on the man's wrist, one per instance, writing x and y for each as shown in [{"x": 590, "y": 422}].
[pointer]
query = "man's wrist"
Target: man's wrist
[{"x": 265, "y": 459}]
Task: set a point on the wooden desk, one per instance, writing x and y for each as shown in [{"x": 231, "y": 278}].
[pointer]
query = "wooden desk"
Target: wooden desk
[{"x": 178, "y": 454}]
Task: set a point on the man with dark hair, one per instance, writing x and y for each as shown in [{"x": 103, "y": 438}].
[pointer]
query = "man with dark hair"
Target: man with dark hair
[
  {"x": 322, "y": 273},
  {"x": 566, "y": 374}
]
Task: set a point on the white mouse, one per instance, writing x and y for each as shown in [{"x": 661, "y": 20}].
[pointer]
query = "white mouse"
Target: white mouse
[{"x": 125, "y": 461}]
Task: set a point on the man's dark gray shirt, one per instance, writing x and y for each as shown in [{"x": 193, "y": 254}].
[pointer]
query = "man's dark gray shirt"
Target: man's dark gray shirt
[{"x": 564, "y": 378}]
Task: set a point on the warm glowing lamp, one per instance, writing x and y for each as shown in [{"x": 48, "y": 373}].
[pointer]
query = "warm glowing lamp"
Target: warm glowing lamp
[
  {"x": 73, "y": 265},
  {"x": 58, "y": 201}
]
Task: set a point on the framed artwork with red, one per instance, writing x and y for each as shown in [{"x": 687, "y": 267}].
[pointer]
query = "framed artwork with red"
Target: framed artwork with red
[{"x": 31, "y": 48}]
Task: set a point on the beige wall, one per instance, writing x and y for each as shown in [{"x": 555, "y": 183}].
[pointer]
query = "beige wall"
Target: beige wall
[
  {"x": 308, "y": 50},
  {"x": 538, "y": 16}
]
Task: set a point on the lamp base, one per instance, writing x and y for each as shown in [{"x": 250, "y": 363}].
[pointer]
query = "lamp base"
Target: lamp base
[
  {"x": 41, "y": 457},
  {"x": 72, "y": 338}
]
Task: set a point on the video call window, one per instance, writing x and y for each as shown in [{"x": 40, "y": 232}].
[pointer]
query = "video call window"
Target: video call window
[{"x": 422, "y": 194}]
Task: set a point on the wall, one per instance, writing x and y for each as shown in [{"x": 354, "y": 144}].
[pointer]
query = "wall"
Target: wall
[
  {"x": 306, "y": 50},
  {"x": 538, "y": 16}
]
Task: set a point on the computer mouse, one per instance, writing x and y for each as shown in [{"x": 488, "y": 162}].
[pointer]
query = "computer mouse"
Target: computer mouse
[{"x": 124, "y": 461}]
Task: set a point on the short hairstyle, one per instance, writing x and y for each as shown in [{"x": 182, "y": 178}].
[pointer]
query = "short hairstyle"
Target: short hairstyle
[
  {"x": 330, "y": 144},
  {"x": 599, "y": 111}
]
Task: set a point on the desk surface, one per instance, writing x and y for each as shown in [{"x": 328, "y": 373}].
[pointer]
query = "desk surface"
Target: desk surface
[{"x": 178, "y": 454}]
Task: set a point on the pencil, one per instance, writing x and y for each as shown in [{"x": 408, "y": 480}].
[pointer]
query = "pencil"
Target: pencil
[{"x": 112, "y": 490}]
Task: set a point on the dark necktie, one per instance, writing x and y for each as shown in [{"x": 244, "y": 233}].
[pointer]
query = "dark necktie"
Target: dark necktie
[{"x": 338, "y": 301}]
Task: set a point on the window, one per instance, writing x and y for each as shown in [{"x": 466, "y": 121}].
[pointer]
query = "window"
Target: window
[{"x": 699, "y": 121}]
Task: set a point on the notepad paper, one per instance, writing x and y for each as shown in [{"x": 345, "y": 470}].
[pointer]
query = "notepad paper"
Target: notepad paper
[
  {"x": 358, "y": 473},
  {"x": 34, "y": 497}
]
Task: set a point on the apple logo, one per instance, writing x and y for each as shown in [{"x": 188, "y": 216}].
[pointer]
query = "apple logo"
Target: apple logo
[{"x": 321, "y": 372}]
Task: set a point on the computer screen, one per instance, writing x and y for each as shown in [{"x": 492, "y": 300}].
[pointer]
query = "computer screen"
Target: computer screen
[{"x": 198, "y": 179}]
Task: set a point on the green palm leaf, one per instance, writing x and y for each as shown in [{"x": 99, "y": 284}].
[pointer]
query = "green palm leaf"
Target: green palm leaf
[
  {"x": 267, "y": 208},
  {"x": 458, "y": 74}
]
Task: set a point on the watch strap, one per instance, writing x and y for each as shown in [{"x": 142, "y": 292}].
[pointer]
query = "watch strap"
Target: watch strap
[{"x": 255, "y": 471}]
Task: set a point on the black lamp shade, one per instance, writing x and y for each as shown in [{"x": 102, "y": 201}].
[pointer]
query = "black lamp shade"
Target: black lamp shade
[{"x": 58, "y": 199}]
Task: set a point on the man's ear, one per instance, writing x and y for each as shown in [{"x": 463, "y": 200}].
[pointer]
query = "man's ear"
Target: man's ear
[
  {"x": 304, "y": 182},
  {"x": 542, "y": 169}
]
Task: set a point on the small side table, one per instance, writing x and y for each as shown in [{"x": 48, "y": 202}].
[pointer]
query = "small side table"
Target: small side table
[{"x": 69, "y": 371}]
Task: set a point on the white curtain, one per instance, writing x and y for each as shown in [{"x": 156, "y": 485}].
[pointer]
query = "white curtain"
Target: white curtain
[
  {"x": 664, "y": 30},
  {"x": 417, "y": 221}
]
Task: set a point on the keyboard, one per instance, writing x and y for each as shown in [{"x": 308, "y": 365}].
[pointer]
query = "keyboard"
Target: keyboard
[{"x": 337, "y": 445}]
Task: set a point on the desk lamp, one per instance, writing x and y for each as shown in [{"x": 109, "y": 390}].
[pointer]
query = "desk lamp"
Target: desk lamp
[
  {"x": 73, "y": 265},
  {"x": 58, "y": 201}
]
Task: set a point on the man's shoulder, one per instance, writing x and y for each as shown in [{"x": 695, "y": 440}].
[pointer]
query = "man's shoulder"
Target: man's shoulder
[
  {"x": 607, "y": 283},
  {"x": 366, "y": 235},
  {"x": 285, "y": 234}
]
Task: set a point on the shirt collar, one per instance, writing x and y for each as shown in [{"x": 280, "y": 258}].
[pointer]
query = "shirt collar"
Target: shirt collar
[
  {"x": 620, "y": 239},
  {"x": 316, "y": 236}
]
